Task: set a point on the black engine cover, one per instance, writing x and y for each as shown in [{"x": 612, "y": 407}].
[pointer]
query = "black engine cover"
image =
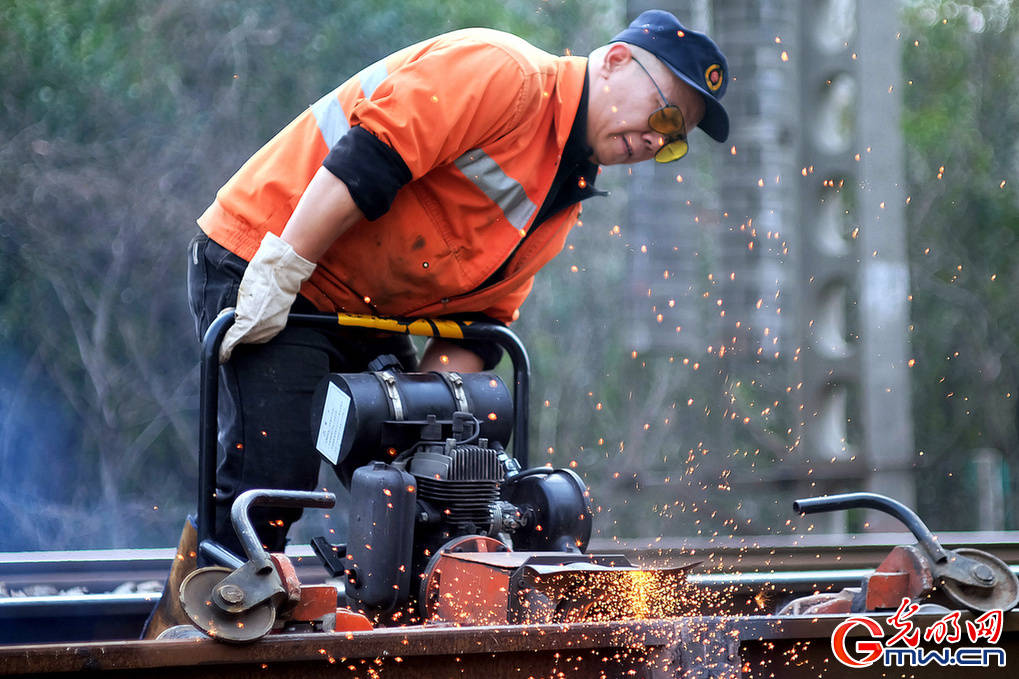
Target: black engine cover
[
  {"x": 361, "y": 417},
  {"x": 556, "y": 504},
  {"x": 383, "y": 501}
]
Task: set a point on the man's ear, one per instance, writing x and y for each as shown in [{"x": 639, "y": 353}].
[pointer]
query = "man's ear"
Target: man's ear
[{"x": 617, "y": 56}]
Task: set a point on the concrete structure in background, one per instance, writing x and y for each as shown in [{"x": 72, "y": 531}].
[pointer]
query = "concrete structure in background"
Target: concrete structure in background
[
  {"x": 670, "y": 222},
  {"x": 882, "y": 272},
  {"x": 800, "y": 231}
]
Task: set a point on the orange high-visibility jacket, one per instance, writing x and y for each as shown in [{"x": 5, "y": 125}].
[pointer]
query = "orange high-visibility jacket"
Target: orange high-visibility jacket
[{"x": 480, "y": 118}]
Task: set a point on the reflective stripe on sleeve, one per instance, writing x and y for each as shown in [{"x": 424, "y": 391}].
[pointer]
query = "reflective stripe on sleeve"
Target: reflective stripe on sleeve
[
  {"x": 502, "y": 189},
  {"x": 332, "y": 121},
  {"x": 372, "y": 76}
]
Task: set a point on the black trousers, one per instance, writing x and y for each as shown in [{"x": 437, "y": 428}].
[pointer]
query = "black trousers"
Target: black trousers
[{"x": 265, "y": 392}]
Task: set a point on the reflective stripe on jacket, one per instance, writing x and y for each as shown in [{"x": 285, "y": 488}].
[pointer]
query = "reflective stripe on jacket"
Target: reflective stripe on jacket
[{"x": 480, "y": 118}]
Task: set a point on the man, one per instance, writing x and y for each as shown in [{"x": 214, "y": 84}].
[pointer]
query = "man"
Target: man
[{"x": 434, "y": 183}]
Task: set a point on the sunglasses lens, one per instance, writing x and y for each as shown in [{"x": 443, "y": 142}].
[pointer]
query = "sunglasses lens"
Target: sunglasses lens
[
  {"x": 672, "y": 151},
  {"x": 667, "y": 121}
]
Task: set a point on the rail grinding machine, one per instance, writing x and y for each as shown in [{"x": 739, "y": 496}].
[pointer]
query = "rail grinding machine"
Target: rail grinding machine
[{"x": 444, "y": 524}]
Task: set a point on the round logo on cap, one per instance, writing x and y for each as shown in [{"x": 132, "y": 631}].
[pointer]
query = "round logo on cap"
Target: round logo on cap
[{"x": 713, "y": 77}]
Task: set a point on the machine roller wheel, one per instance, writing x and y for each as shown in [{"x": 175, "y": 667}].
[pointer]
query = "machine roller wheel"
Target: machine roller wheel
[
  {"x": 1003, "y": 595},
  {"x": 196, "y": 599}
]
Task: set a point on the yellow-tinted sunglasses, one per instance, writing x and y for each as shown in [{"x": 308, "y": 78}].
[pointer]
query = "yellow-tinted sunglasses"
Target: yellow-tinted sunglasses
[{"x": 667, "y": 121}]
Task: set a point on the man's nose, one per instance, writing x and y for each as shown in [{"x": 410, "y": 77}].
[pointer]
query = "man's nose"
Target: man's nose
[{"x": 652, "y": 141}]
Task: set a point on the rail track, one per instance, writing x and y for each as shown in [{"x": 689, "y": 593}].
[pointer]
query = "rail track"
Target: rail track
[
  {"x": 95, "y": 603},
  {"x": 106, "y": 595},
  {"x": 748, "y": 647}
]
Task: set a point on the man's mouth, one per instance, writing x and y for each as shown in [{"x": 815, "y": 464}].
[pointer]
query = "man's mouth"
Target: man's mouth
[{"x": 626, "y": 145}]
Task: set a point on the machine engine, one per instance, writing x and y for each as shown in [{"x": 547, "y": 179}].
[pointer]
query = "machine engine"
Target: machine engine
[{"x": 424, "y": 457}]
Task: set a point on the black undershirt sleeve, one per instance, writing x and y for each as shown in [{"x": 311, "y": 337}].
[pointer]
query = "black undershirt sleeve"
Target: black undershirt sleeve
[{"x": 371, "y": 169}]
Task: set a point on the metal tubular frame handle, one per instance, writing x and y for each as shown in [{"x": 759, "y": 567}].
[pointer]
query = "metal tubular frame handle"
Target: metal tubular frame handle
[
  {"x": 882, "y": 503},
  {"x": 274, "y": 498},
  {"x": 209, "y": 387}
]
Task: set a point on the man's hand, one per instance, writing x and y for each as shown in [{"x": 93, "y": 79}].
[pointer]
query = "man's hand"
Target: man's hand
[
  {"x": 276, "y": 272},
  {"x": 267, "y": 291}
]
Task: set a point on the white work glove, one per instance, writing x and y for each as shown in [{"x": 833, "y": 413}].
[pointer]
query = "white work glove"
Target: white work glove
[{"x": 267, "y": 291}]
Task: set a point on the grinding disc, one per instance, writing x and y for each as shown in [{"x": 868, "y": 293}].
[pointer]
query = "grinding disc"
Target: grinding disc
[
  {"x": 196, "y": 599},
  {"x": 1003, "y": 596}
]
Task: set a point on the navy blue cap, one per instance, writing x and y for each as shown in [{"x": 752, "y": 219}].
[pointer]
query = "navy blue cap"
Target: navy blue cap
[{"x": 692, "y": 56}]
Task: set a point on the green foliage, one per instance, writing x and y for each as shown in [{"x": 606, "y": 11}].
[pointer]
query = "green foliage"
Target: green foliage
[
  {"x": 961, "y": 122},
  {"x": 119, "y": 119}
]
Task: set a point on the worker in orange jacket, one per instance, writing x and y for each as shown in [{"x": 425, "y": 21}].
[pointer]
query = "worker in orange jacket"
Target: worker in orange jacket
[{"x": 435, "y": 182}]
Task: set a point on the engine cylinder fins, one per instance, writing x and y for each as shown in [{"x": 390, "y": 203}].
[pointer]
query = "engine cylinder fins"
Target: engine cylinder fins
[
  {"x": 464, "y": 488},
  {"x": 460, "y": 501},
  {"x": 463, "y": 463},
  {"x": 1002, "y": 594},
  {"x": 473, "y": 463}
]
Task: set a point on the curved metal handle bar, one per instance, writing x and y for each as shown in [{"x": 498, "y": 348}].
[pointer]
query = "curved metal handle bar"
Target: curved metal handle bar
[
  {"x": 273, "y": 498},
  {"x": 208, "y": 410},
  {"x": 209, "y": 387},
  {"x": 882, "y": 503}
]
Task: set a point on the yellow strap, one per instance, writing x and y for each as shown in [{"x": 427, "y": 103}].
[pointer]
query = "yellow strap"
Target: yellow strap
[{"x": 424, "y": 327}]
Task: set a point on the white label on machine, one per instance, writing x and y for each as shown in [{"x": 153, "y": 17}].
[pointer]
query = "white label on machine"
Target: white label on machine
[{"x": 334, "y": 421}]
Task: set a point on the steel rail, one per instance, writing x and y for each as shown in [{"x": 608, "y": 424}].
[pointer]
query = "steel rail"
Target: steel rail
[
  {"x": 109, "y": 616},
  {"x": 779, "y": 552},
  {"x": 694, "y": 646},
  {"x": 102, "y": 613}
]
